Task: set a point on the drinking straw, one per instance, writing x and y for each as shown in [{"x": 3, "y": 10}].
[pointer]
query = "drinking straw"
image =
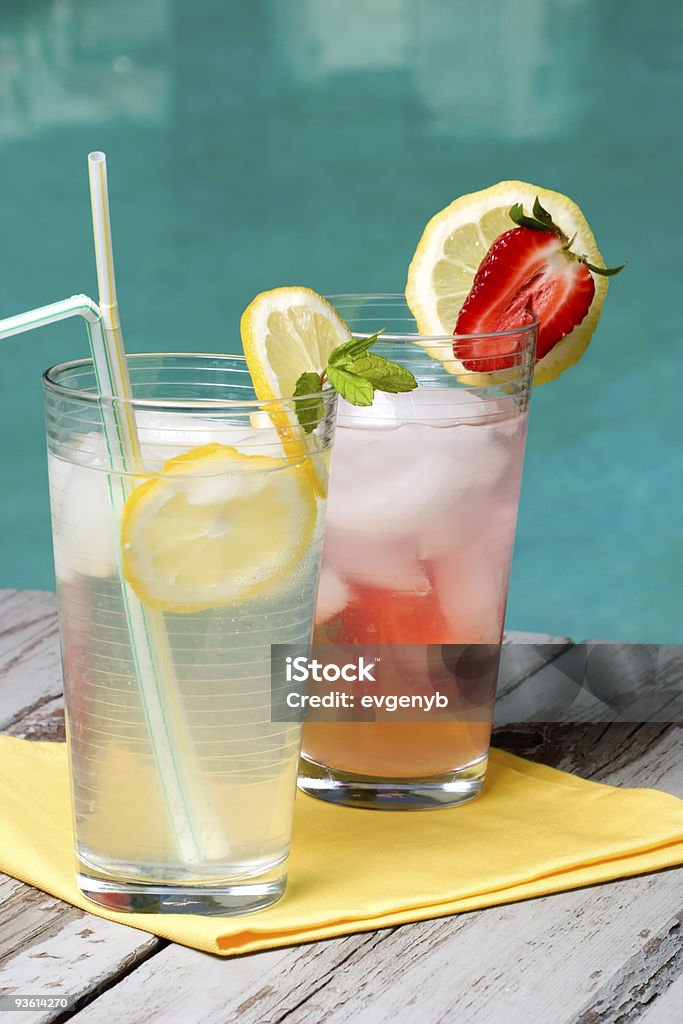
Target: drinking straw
[
  {"x": 194, "y": 825},
  {"x": 197, "y": 832}
]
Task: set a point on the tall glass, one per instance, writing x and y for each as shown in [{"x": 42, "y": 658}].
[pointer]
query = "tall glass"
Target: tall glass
[
  {"x": 420, "y": 528},
  {"x": 191, "y": 721}
]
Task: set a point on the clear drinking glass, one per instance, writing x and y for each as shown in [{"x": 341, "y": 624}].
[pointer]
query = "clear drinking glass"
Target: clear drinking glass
[
  {"x": 174, "y": 705},
  {"x": 420, "y": 527}
]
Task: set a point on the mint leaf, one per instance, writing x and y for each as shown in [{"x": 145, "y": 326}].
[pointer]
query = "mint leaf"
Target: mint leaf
[
  {"x": 356, "y": 373},
  {"x": 310, "y": 410},
  {"x": 308, "y": 384},
  {"x": 350, "y": 386},
  {"x": 351, "y": 349},
  {"x": 383, "y": 374}
]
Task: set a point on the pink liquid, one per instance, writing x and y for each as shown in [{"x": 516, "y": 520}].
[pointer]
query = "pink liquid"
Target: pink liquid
[{"x": 420, "y": 529}]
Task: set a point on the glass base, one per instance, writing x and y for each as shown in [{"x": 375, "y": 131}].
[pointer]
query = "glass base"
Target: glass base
[
  {"x": 380, "y": 794},
  {"x": 223, "y": 900}
]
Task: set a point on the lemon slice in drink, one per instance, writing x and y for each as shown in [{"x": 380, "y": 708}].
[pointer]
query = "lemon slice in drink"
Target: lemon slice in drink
[
  {"x": 216, "y": 527},
  {"x": 286, "y": 332},
  {"x": 456, "y": 240}
]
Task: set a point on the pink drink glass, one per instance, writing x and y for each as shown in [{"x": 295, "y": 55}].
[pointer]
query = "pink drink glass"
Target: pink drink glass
[{"x": 421, "y": 520}]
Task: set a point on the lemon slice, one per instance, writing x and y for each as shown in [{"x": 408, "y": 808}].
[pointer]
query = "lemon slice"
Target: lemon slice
[
  {"x": 286, "y": 332},
  {"x": 216, "y": 527},
  {"x": 455, "y": 242}
]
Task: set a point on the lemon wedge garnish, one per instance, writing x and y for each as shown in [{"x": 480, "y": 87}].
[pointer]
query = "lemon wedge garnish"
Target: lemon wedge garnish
[
  {"x": 455, "y": 242},
  {"x": 286, "y": 332},
  {"x": 216, "y": 527}
]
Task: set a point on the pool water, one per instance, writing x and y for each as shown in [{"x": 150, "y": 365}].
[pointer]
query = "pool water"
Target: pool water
[{"x": 308, "y": 142}]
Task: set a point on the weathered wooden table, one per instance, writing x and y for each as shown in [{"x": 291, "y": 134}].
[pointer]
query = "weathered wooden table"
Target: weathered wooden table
[{"x": 609, "y": 953}]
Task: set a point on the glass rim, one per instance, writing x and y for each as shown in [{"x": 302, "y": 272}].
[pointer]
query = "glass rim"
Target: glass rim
[
  {"x": 529, "y": 327},
  {"x": 51, "y": 384}
]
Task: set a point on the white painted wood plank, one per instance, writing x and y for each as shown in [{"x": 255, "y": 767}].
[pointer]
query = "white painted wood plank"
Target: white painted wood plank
[
  {"x": 518, "y": 658},
  {"x": 667, "y": 1008},
  {"x": 649, "y": 675},
  {"x": 502, "y": 965},
  {"x": 647, "y": 755},
  {"x": 554, "y": 959},
  {"x": 645, "y": 976},
  {"x": 639, "y": 683},
  {"x": 26, "y": 915},
  {"x": 46, "y": 722},
  {"x": 82, "y": 954},
  {"x": 523, "y": 654},
  {"x": 189, "y": 986},
  {"x": 30, "y": 671},
  {"x": 509, "y": 964}
]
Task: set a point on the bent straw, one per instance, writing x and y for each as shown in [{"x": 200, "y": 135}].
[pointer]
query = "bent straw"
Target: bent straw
[
  {"x": 195, "y": 827},
  {"x": 184, "y": 797}
]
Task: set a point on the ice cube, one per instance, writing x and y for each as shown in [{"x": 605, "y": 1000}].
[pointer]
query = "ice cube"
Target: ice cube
[
  {"x": 384, "y": 413},
  {"x": 471, "y": 461},
  {"x": 163, "y": 436},
  {"x": 411, "y": 479},
  {"x": 470, "y": 583},
  {"x": 85, "y": 529},
  {"x": 333, "y": 595},
  {"x": 440, "y": 406},
  {"x": 433, "y": 405},
  {"x": 374, "y": 559}
]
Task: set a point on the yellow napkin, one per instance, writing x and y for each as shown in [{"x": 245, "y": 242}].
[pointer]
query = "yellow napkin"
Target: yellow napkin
[{"x": 533, "y": 831}]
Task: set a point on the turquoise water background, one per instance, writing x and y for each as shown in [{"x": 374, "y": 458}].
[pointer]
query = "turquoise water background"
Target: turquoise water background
[{"x": 309, "y": 141}]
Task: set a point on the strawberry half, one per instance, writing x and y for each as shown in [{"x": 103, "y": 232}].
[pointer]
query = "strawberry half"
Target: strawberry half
[{"x": 528, "y": 270}]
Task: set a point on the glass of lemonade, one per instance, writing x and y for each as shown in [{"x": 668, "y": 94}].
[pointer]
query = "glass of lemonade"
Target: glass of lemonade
[
  {"x": 420, "y": 527},
  {"x": 217, "y": 542}
]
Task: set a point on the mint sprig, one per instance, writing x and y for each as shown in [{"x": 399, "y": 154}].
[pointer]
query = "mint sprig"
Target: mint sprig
[
  {"x": 310, "y": 409},
  {"x": 355, "y": 373}
]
